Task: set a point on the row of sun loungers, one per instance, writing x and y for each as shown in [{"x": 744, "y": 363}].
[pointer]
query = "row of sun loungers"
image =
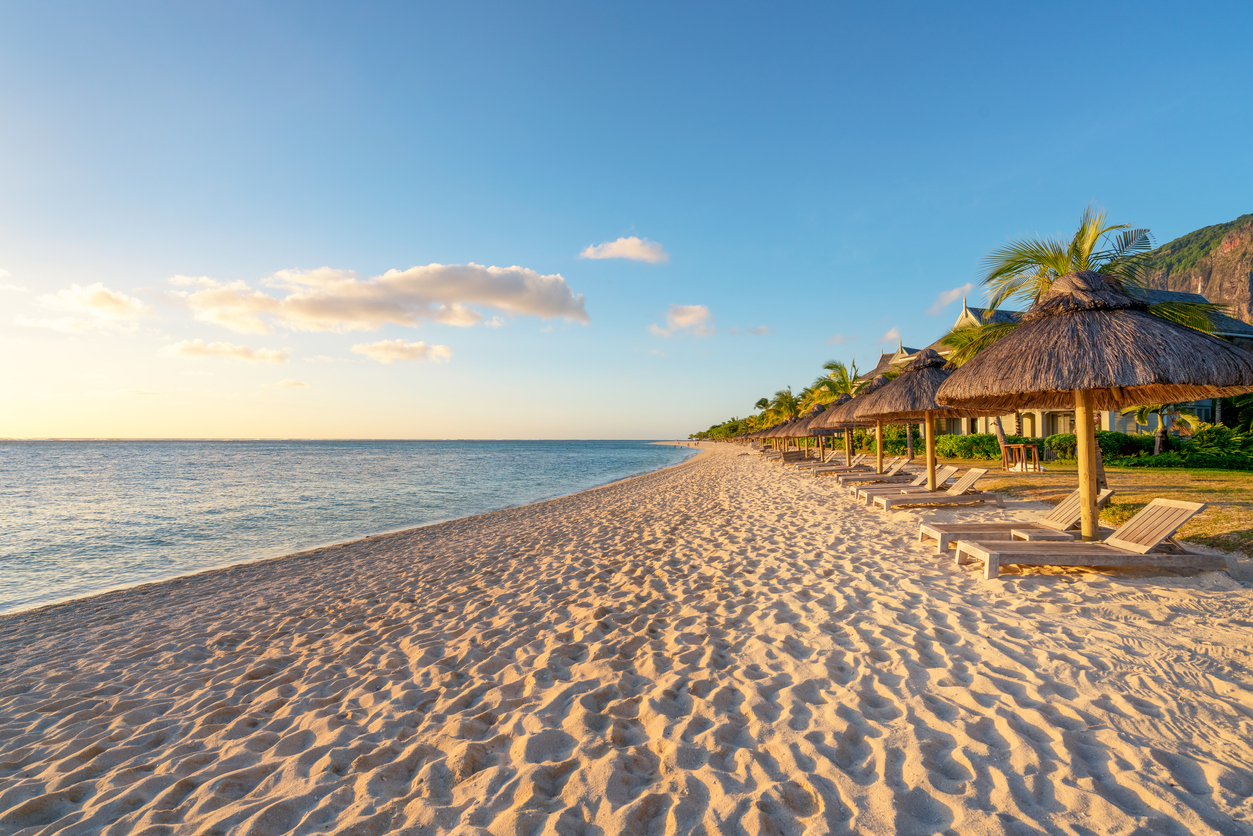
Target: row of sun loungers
[{"x": 1147, "y": 539}]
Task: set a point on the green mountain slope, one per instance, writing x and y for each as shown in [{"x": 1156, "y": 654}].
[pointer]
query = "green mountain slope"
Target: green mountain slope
[{"x": 1214, "y": 260}]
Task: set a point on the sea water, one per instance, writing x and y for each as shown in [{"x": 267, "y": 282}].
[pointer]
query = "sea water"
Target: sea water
[{"x": 80, "y": 517}]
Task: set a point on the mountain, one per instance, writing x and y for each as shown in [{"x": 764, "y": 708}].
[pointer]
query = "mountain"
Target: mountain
[{"x": 1216, "y": 261}]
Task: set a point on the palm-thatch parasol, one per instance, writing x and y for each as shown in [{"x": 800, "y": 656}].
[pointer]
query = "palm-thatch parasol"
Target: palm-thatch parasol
[
  {"x": 1089, "y": 344},
  {"x": 911, "y": 397},
  {"x": 842, "y": 417},
  {"x": 802, "y": 427}
]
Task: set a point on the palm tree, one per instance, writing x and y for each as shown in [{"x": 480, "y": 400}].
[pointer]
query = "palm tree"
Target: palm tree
[
  {"x": 1174, "y": 411},
  {"x": 1024, "y": 270},
  {"x": 840, "y": 379},
  {"x": 785, "y": 405}
]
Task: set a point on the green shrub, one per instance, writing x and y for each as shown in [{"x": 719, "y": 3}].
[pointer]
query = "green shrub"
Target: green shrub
[
  {"x": 893, "y": 440},
  {"x": 1065, "y": 445},
  {"x": 1113, "y": 444},
  {"x": 1192, "y": 460},
  {"x": 976, "y": 445}
]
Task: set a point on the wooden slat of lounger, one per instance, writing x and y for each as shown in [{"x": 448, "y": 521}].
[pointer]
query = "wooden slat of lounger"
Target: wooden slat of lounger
[
  {"x": 967, "y": 481},
  {"x": 1159, "y": 520},
  {"x": 889, "y": 502},
  {"x": 867, "y": 491},
  {"x": 1018, "y": 552},
  {"x": 1066, "y": 514}
]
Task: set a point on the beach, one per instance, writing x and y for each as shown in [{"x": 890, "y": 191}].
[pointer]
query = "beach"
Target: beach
[{"x": 721, "y": 646}]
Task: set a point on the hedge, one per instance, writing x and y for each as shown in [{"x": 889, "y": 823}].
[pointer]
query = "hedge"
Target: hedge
[
  {"x": 1113, "y": 444},
  {"x": 976, "y": 446}
]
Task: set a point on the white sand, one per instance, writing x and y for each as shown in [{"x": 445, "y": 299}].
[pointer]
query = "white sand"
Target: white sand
[{"x": 721, "y": 647}]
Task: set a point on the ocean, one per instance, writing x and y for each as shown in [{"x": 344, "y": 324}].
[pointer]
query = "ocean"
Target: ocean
[{"x": 81, "y": 517}]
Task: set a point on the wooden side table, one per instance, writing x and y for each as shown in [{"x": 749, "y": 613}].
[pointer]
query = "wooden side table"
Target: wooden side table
[{"x": 1015, "y": 454}]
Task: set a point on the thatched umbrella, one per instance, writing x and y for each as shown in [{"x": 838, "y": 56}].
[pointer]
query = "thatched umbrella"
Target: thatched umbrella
[
  {"x": 844, "y": 417},
  {"x": 826, "y": 423},
  {"x": 802, "y": 427},
  {"x": 1089, "y": 344},
  {"x": 911, "y": 397}
]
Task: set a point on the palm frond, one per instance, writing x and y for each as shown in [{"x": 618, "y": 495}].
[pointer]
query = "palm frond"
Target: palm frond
[
  {"x": 1201, "y": 316},
  {"x": 969, "y": 340}
]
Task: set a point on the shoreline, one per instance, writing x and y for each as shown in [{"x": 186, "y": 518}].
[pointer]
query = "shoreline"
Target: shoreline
[
  {"x": 722, "y": 647},
  {"x": 335, "y": 544}
]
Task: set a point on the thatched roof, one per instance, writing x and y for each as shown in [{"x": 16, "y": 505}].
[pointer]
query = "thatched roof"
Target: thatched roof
[
  {"x": 779, "y": 430},
  {"x": 1087, "y": 333},
  {"x": 839, "y": 415},
  {"x": 912, "y": 394},
  {"x": 801, "y": 428}
]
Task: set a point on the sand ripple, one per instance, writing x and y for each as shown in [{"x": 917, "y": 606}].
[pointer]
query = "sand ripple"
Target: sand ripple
[{"x": 721, "y": 647}]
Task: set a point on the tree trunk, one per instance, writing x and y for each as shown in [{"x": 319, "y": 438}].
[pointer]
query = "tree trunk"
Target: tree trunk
[
  {"x": 1000, "y": 433},
  {"x": 1159, "y": 437}
]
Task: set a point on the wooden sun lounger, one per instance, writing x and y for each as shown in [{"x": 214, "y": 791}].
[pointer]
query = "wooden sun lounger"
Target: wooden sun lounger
[
  {"x": 958, "y": 494},
  {"x": 919, "y": 485},
  {"x": 1053, "y": 526},
  {"x": 863, "y": 478},
  {"x": 856, "y": 461},
  {"x": 1135, "y": 543},
  {"x": 900, "y": 481},
  {"x": 856, "y": 467}
]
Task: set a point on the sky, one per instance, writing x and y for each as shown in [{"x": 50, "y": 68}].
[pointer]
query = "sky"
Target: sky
[{"x": 555, "y": 220}]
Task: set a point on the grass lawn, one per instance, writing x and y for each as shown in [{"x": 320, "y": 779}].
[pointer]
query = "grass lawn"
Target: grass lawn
[{"x": 1226, "y": 524}]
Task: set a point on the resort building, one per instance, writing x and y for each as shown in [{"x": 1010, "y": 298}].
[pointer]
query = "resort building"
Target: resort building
[{"x": 1041, "y": 423}]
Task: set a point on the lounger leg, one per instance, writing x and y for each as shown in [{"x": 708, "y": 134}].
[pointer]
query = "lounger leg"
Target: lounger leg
[
  {"x": 992, "y": 568},
  {"x": 962, "y": 558},
  {"x": 941, "y": 544}
]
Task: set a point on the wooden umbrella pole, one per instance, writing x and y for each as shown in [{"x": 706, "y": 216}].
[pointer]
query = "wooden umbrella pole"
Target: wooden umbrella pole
[
  {"x": 930, "y": 425},
  {"x": 1086, "y": 438},
  {"x": 878, "y": 443},
  {"x": 848, "y": 446}
]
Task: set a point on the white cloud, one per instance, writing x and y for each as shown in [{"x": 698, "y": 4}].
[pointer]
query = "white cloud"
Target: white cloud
[
  {"x": 5, "y": 274},
  {"x": 948, "y": 297},
  {"x": 636, "y": 249},
  {"x": 336, "y": 300},
  {"x": 289, "y": 383},
  {"x": 892, "y": 335},
  {"x": 840, "y": 339},
  {"x": 199, "y": 348},
  {"x": 90, "y": 308},
  {"x": 759, "y": 331},
  {"x": 388, "y": 351},
  {"x": 494, "y": 322},
  {"x": 697, "y": 318}
]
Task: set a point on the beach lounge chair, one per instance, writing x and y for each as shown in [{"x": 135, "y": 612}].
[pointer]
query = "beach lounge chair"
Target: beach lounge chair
[
  {"x": 1053, "y": 526},
  {"x": 958, "y": 494},
  {"x": 829, "y": 463},
  {"x": 1135, "y": 543},
  {"x": 918, "y": 485},
  {"x": 865, "y": 478},
  {"x": 858, "y": 466}
]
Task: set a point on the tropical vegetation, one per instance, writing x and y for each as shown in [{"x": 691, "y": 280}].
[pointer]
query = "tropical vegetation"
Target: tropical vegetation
[{"x": 1022, "y": 271}]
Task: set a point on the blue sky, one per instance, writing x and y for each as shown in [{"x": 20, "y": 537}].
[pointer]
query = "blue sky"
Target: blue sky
[{"x": 816, "y": 172}]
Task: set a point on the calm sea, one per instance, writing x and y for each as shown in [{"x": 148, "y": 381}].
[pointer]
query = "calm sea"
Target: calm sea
[{"x": 79, "y": 517}]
